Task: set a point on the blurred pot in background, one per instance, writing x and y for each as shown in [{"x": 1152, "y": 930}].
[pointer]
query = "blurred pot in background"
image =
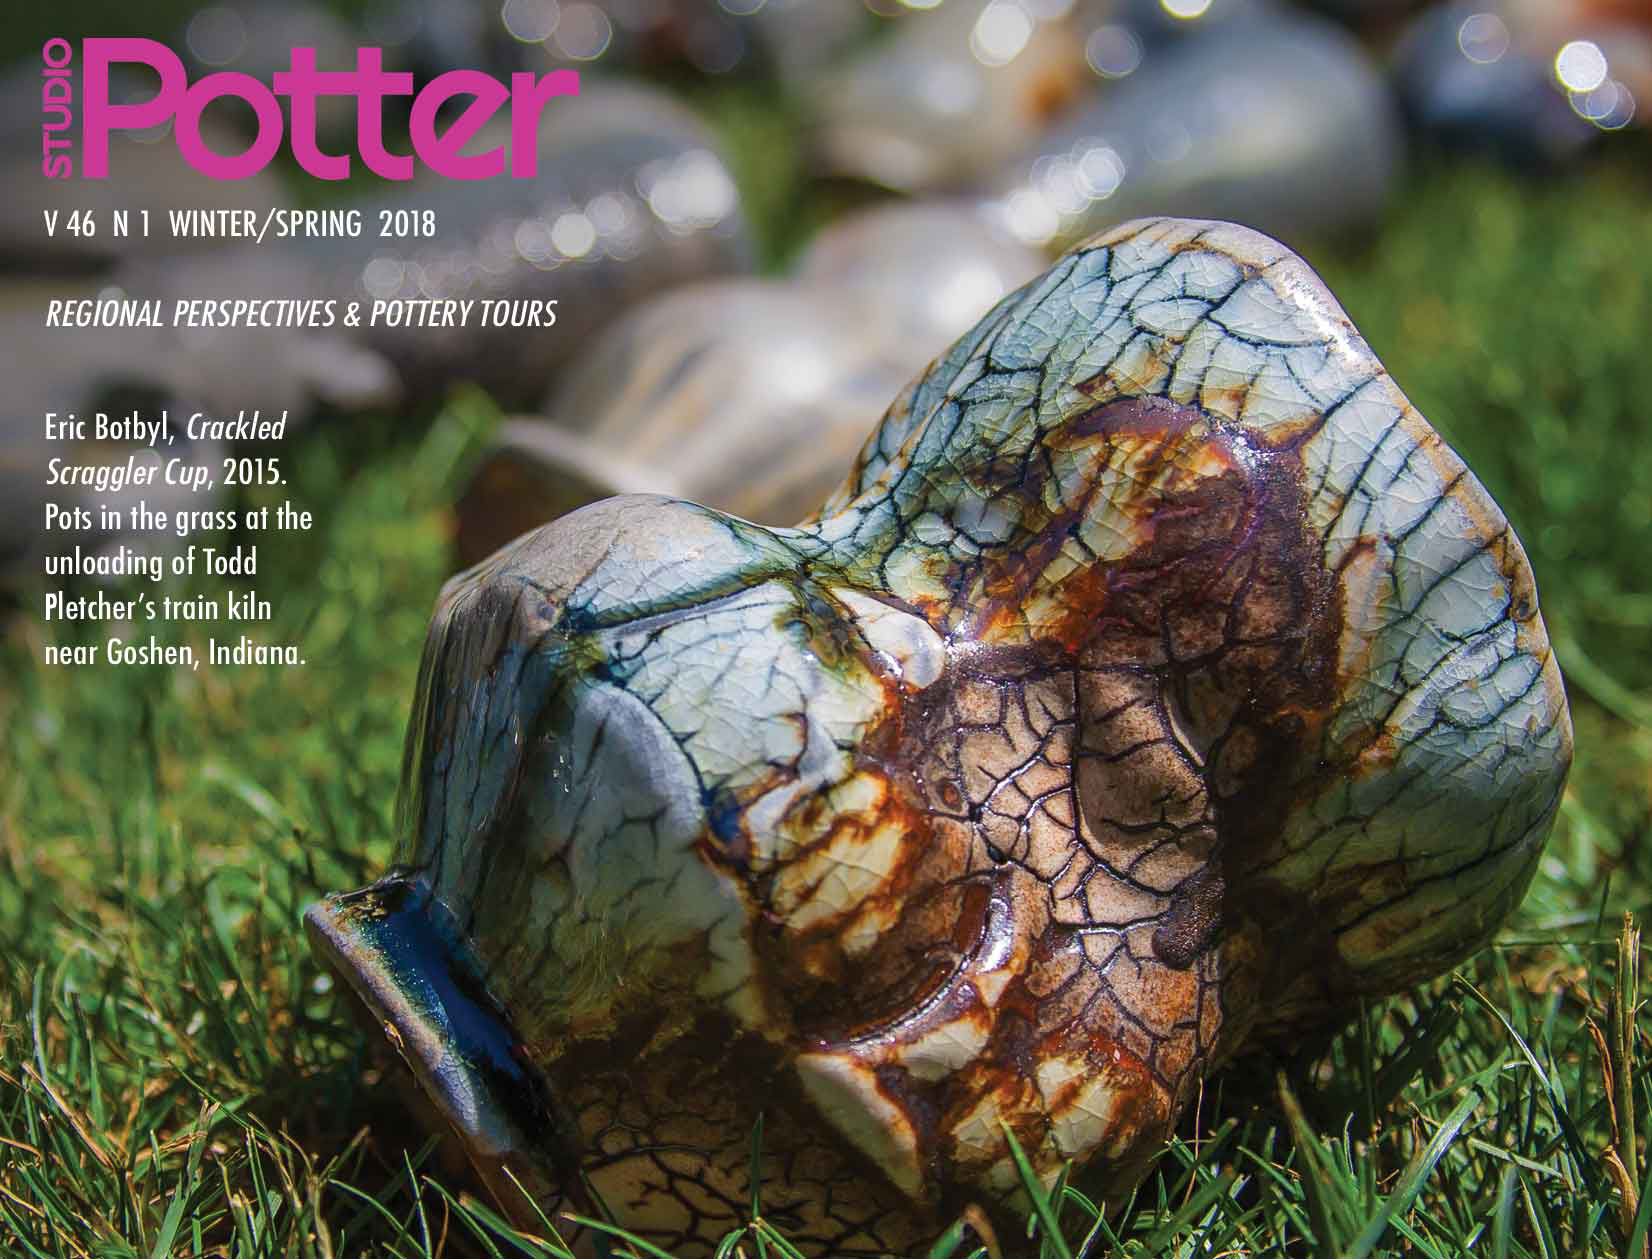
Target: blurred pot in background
[
  {"x": 1466, "y": 87},
  {"x": 1532, "y": 85},
  {"x": 258, "y": 38},
  {"x": 712, "y": 37},
  {"x": 1282, "y": 124},
  {"x": 949, "y": 95},
  {"x": 1601, "y": 51},
  {"x": 301, "y": 370},
  {"x": 1157, "y": 23},
  {"x": 750, "y": 395},
  {"x": 924, "y": 272}
]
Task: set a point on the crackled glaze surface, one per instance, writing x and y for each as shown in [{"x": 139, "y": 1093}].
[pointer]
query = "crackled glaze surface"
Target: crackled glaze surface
[{"x": 1158, "y": 682}]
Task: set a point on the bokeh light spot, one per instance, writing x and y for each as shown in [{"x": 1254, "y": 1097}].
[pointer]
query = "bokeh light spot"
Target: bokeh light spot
[
  {"x": 1483, "y": 37},
  {"x": 1580, "y": 65}
]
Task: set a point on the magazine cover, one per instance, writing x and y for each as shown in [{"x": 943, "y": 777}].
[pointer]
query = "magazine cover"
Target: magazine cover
[{"x": 813, "y": 628}]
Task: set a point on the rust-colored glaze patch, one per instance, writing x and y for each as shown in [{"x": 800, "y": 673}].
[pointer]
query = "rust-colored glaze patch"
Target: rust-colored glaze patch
[
  {"x": 1105, "y": 774},
  {"x": 926, "y": 920},
  {"x": 1157, "y": 419}
]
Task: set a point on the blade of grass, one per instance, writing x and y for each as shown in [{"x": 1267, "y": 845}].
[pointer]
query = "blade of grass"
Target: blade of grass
[
  {"x": 1213, "y": 1190},
  {"x": 1317, "y": 1185},
  {"x": 1503, "y": 1218},
  {"x": 1411, "y": 1180},
  {"x": 946, "y": 1245},
  {"x": 1635, "y": 1246},
  {"x": 614, "y": 1231},
  {"x": 755, "y": 1174},
  {"x": 1557, "y": 1099},
  {"x": 1045, "y": 1213}
]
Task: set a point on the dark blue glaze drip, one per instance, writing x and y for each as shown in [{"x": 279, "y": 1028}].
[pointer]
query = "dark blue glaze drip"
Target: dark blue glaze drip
[{"x": 426, "y": 959}]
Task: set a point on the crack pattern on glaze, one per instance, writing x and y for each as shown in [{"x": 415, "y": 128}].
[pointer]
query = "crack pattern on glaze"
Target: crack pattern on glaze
[{"x": 1157, "y": 684}]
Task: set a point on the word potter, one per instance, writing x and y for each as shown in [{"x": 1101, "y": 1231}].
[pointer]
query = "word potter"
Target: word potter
[{"x": 182, "y": 103}]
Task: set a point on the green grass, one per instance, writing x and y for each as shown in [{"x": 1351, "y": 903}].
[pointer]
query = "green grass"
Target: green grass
[{"x": 178, "y": 1078}]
